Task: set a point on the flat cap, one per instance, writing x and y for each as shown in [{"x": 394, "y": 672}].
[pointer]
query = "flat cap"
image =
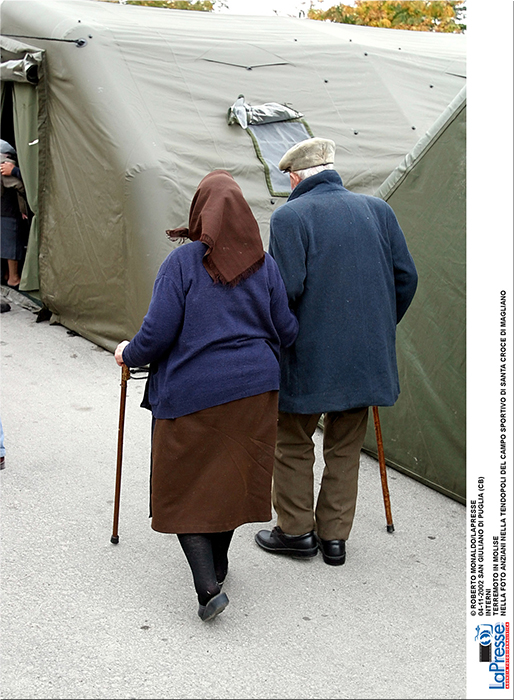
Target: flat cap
[{"x": 308, "y": 154}]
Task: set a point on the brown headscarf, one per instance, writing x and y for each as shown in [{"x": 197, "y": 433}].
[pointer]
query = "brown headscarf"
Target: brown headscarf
[{"x": 221, "y": 218}]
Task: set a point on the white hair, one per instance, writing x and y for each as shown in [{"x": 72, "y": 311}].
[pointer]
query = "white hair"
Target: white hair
[{"x": 307, "y": 172}]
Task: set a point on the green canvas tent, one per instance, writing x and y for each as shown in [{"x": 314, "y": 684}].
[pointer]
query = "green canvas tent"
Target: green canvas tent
[
  {"x": 119, "y": 111},
  {"x": 425, "y": 432}
]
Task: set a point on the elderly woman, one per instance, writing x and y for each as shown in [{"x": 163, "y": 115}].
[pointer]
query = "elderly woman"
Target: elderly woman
[{"x": 217, "y": 318}]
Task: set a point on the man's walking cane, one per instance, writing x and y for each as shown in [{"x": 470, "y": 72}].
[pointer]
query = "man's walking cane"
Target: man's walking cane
[
  {"x": 383, "y": 474},
  {"x": 125, "y": 375}
]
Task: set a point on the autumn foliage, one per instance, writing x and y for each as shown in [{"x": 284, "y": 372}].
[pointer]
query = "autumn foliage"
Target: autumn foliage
[{"x": 416, "y": 16}]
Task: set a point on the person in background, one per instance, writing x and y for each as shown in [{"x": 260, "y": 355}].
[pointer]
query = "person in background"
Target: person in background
[
  {"x": 13, "y": 210},
  {"x": 212, "y": 336},
  {"x": 350, "y": 279},
  {"x": 2, "y": 446}
]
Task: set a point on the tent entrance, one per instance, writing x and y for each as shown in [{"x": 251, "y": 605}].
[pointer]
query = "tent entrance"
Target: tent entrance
[
  {"x": 20, "y": 123},
  {"x": 8, "y": 134}
]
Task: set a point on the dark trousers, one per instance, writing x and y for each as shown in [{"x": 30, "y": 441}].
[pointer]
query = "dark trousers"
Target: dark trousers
[{"x": 293, "y": 478}]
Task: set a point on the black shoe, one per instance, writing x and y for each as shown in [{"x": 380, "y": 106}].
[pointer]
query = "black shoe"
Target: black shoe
[
  {"x": 214, "y": 607},
  {"x": 298, "y": 546},
  {"x": 333, "y": 551},
  {"x": 4, "y": 307}
]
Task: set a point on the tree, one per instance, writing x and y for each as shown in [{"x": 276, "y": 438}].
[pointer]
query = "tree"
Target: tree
[{"x": 417, "y": 16}]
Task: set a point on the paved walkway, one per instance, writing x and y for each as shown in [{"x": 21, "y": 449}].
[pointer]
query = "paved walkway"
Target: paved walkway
[{"x": 83, "y": 618}]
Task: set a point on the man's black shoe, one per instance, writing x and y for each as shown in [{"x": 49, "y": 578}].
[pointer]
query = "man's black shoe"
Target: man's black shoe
[
  {"x": 298, "y": 546},
  {"x": 333, "y": 551}
]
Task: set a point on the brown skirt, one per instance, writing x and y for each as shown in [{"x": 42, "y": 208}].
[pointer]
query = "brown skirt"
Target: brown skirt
[{"x": 211, "y": 470}]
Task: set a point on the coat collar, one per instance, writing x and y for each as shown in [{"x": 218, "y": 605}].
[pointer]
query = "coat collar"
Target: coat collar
[{"x": 325, "y": 177}]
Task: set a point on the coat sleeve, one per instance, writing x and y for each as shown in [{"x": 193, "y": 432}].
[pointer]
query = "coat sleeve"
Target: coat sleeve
[
  {"x": 161, "y": 325},
  {"x": 405, "y": 274},
  {"x": 284, "y": 321},
  {"x": 14, "y": 179},
  {"x": 288, "y": 247}
]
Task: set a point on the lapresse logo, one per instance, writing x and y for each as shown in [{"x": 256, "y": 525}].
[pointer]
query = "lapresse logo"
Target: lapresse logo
[
  {"x": 493, "y": 646},
  {"x": 484, "y": 638}
]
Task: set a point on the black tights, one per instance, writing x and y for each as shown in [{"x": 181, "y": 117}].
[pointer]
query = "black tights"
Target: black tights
[{"x": 207, "y": 555}]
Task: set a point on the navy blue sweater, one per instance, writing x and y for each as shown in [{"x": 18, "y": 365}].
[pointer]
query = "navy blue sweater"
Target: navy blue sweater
[{"x": 209, "y": 343}]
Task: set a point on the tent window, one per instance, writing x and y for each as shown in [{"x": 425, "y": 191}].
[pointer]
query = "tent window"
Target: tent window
[
  {"x": 271, "y": 141},
  {"x": 274, "y": 129}
]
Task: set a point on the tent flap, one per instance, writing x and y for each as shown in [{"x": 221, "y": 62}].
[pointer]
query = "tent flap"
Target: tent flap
[
  {"x": 243, "y": 113},
  {"x": 19, "y": 62}
]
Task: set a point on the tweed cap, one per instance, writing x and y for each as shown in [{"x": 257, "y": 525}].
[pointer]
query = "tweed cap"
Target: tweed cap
[{"x": 308, "y": 154}]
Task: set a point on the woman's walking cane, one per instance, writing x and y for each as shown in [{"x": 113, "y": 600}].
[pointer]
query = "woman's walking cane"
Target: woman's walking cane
[
  {"x": 383, "y": 474},
  {"x": 125, "y": 375}
]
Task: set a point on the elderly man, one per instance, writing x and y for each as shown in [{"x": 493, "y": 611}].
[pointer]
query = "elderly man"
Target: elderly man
[{"x": 350, "y": 279}]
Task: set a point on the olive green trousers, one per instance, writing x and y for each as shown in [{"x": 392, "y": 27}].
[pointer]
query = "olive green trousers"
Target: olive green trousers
[{"x": 293, "y": 475}]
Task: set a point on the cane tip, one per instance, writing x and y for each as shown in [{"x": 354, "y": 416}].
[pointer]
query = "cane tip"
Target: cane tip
[
  {"x": 390, "y": 528},
  {"x": 115, "y": 539}
]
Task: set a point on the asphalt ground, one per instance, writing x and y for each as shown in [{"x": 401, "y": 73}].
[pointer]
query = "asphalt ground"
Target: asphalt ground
[{"x": 83, "y": 618}]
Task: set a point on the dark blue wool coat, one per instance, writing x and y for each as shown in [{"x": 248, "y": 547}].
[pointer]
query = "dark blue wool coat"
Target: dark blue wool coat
[
  {"x": 349, "y": 278},
  {"x": 210, "y": 343}
]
